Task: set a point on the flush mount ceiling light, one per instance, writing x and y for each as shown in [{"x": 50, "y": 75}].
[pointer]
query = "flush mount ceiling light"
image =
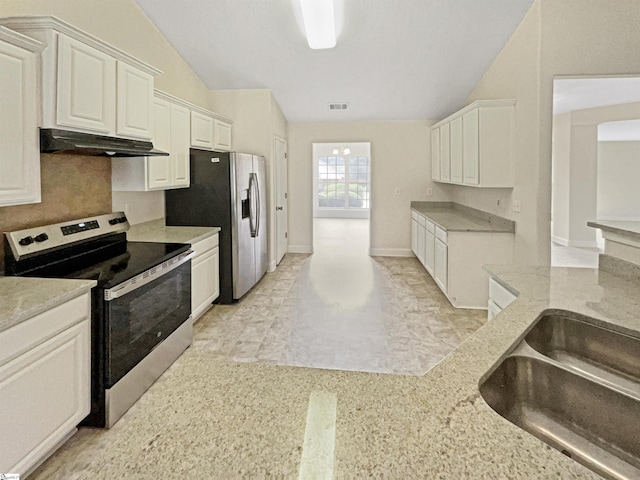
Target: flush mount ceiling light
[{"x": 319, "y": 23}]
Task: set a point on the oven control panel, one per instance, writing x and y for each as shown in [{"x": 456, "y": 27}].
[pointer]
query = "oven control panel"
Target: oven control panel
[{"x": 38, "y": 239}]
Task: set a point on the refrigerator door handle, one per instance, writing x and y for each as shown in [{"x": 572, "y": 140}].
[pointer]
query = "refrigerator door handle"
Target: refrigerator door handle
[
  {"x": 253, "y": 204},
  {"x": 258, "y": 213}
]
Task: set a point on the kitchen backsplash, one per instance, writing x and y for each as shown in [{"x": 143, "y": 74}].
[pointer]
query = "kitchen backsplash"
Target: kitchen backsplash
[{"x": 72, "y": 187}]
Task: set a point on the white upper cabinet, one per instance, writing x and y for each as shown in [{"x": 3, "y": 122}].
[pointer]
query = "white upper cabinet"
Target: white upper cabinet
[
  {"x": 19, "y": 151},
  {"x": 88, "y": 85},
  {"x": 445, "y": 153},
  {"x": 171, "y": 135},
  {"x": 180, "y": 145},
  {"x": 222, "y": 136},
  {"x": 202, "y": 131},
  {"x": 435, "y": 154},
  {"x": 86, "y": 93},
  {"x": 456, "y": 150},
  {"x": 479, "y": 151},
  {"x": 134, "y": 102}
]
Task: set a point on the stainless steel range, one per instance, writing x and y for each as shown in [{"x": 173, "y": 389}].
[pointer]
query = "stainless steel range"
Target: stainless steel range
[{"x": 141, "y": 307}]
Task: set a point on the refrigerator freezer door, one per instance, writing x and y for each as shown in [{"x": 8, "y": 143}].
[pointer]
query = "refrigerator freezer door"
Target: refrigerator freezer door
[
  {"x": 261, "y": 256},
  {"x": 244, "y": 259}
]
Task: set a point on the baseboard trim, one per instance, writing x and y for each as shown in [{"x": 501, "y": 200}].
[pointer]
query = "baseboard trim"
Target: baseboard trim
[
  {"x": 576, "y": 243},
  {"x": 391, "y": 252},
  {"x": 560, "y": 241},
  {"x": 300, "y": 249}
]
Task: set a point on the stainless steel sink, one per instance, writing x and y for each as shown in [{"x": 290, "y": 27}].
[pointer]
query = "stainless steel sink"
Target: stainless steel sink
[{"x": 576, "y": 387}]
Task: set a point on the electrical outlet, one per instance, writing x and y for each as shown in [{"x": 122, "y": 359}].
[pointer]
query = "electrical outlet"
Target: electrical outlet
[
  {"x": 497, "y": 202},
  {"x": 429, "y": 191},
  {"x": 516, "y": 206}
]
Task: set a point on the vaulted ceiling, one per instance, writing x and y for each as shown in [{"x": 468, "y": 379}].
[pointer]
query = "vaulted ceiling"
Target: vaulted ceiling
[{"x": 394, "y": 59}]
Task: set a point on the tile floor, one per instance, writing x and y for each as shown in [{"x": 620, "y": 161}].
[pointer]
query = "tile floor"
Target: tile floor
[
  {"x": 562, "y": 256},
  {"x": 340, "y": 309}
]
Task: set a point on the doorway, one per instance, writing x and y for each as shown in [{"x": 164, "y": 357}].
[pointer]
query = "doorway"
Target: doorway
[
  {"x": 596, "y": 143},
  {"x": 342, "y": 196},
  {"x": 281, "y": 200}
]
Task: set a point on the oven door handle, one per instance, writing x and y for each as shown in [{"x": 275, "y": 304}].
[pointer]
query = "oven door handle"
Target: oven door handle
[{"x": 148, "y": 276}]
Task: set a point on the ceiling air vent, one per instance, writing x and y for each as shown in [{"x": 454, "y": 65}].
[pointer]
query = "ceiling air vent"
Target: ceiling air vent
[{"x": 338, "y": 106}]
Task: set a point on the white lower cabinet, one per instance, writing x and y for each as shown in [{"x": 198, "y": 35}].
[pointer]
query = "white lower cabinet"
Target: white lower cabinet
[
  {"x": 44, "y": 383},
  {"x": 414, "y": 233},
  {"x": 499, "y": 298},
  {"x": 205, "y": 281},
  {"x": 454, "y": 259},
  {"x": 429, "y": 247},
  {"x": 440, "y": 264}
]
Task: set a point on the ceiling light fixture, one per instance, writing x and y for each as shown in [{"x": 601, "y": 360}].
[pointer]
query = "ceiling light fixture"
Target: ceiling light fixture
[{"x": 319, "y": 23}]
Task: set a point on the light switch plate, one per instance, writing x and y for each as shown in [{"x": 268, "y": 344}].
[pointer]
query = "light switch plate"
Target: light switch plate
[{"x": 517, "y": 207}]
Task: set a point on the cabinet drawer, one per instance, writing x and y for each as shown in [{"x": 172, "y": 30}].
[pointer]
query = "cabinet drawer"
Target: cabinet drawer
[
  {"x": 499, "y": 294},
  {"x": 421, "y": 220},
  {"x": 205, "y": 245},
  {"x": 30, "y": 333},
  {"x": 441, "y": 234},
  {"x": 430, "y": 226}
]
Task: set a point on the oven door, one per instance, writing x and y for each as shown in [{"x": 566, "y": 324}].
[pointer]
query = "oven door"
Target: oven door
[{"x": 144, "y": 311}]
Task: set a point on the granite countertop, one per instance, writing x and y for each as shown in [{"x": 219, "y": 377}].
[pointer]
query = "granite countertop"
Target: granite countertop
[
  {"x": 157, "y": 231},
  {"x": 625, "y": 228},
  {"x": 226, "y": 419},
  {"x": 24, "y": 297},
  {"x": 454, "y": 217}
]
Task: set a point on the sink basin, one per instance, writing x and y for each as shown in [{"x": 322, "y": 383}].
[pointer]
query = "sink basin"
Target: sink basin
[
  {"x": 575, "y": 386},
  {"x": 606, "y": 355}
]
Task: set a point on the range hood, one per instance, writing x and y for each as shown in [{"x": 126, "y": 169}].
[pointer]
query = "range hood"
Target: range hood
[{"x": 67, "y": 142}]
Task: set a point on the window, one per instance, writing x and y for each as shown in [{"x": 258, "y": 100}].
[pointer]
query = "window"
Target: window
[{"x": 343, "y": 181}]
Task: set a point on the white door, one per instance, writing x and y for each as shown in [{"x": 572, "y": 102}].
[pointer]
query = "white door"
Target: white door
[{"x": 280, "y": 152}]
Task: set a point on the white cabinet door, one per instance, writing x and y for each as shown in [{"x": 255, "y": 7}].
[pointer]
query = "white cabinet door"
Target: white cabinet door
[
  {"x": 86, "y": 96},
  {"x": 180, "y": 145},
  {"x": 134, "y": 106},
  {"x": 422, "y": 233},
  {"x": 414, "y": 236},
  {"x": 440, "y": 264},
  {"x": 159, "y": 169},
  {"x": 222, "y": 136},
  {"x": 205, "y": 282},
  {"x": 445, "y": 153},
  {"x": 19, "y": 151},
  {"x": 470, "y": 147},
  {"x": 429, "y": 252},
  {"x": 456, "y": 150},
  {"x": 201, "y": 131},
  {"x": 435, "y": 154}
]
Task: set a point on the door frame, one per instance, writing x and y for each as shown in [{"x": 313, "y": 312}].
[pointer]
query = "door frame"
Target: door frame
[{"x": 281, "y": 180}]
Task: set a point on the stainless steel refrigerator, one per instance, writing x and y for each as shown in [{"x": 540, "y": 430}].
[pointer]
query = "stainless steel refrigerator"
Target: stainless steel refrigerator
[{"x": 227, "y": 190}]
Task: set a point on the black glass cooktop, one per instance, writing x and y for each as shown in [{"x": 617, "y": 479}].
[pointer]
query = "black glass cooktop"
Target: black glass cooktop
[{"x": 111, "y": 264}]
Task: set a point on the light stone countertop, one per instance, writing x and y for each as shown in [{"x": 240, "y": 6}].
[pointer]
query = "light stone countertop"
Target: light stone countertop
[
  {"x": 226, "y": 419},
  {"x": 24, "y": 297},
  {"x": 625, "y": 228},
  {"x": 454, "y": 217},
  {"x": 157, "y": 231}
]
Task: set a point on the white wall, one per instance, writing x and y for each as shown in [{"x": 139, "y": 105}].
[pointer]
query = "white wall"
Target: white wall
[
  {"x": 619, "y": 181},
  {"x": 399, "y": 158},
  {"x": 556, "y": 37}
]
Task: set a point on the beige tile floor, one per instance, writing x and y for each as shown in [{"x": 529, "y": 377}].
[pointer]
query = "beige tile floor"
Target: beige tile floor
[
  {"x": 340, "y": 309},
  {"x": 562, "y": 256}
]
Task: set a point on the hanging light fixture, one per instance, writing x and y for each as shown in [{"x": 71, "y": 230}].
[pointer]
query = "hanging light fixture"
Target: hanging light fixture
[
  {"x": 335, "y": 151},
  {"x": 319, "y": 23},
  {"x": 341, "y": 151},
  {"x": 346, "y": 151}
]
